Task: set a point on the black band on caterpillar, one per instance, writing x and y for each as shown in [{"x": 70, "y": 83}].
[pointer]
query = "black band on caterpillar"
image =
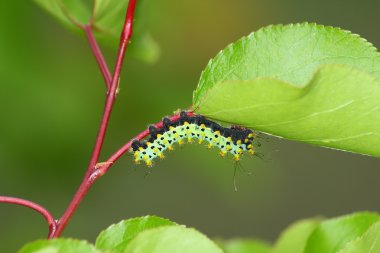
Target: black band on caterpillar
[{"x": 234, "y": 140}]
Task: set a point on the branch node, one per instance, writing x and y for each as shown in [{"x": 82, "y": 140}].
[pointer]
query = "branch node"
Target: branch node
[{"x": 101, "y": 164}]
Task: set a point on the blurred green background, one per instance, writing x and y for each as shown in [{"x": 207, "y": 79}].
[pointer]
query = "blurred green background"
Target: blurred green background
[{"x": 51, "y": 100}]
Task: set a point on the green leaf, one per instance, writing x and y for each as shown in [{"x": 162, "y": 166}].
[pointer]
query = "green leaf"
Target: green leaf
[
  {"x": 332, "y": 235},
  {"x": 332, "y": 110},
  {"x": 59, "y": 246},
  {"x": 294, "y": 238},
  {"x": 290, "y": 53},
  {"x": 144, "y": 48},
  {"x": 172, "y": 239},
  {"x": 70, "y": 12},
  {"x": 107, "y": 18},
  {"x": 304, "y": 82},
  {"x": 116, "y": 237},
  {"x": 244, "y": 246},
  {"x": 369, "y": 242}
]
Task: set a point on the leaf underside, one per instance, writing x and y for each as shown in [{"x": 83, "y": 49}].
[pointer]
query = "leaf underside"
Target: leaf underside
[{"x": 303, "y": 82}]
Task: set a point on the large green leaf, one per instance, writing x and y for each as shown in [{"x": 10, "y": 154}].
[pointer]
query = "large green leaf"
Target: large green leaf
[
  {"x": 332, "y": 235},
  {"x": 294, "y": 238},
  {"x": 171, "y": 239},
  {"x": 332, "y": 110},
  {"x": 368, "y": 243},
  {"x": 290, "y": 53},
  {"x": 304, "y": 82},
  {"x": 116, "y": 237},
  {"x": 107, "y": 17},
  {"x": 59, "y": 246},
  {"x": 244, "y": 246}
]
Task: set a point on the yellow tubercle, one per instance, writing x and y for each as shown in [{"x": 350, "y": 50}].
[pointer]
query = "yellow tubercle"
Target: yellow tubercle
[
  {"x": 217, "y": 132},
  {"x": 222, "y": 153},
  {"x": 200, "y": 141},
  {"x": 136, "y": 154},
  {"x": 171, "y": 128},
  {"x": 246, "y": 140},
  {"x": 149, "y": 163},
  {"x": 238, "y": 142},
  {"x": 228, "y": 147},
  {"x": 209, "y": 145},
  {"x": 181, "y": 142},
  {"x": 159, "y": 135},
  {"x": 250, "y": 146},
  {"x": 155, "y": 150},
  {"x": 161, "y": 156},
  {"x": 176, "y": 135},
  {"x": 251, "y": 151},
  {"x": 250, "y": 135},
  {"x": 236, "y": 157},
  {"x": 186, "y": 123},
  {"x": 189, "y": 140},
  {"x": 170, "y": 147},
  {"x": 141, "y": 149}
]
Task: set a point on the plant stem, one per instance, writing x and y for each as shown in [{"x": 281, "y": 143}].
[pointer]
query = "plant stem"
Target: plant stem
[
  {"x": 98, "y": 55},
  {"x": 45, "y": 213},
  {"x": 111, "y": 95}
]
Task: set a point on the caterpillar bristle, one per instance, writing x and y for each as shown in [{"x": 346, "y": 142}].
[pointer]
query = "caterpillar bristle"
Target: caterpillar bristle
[{"x": 234, "y": 140}]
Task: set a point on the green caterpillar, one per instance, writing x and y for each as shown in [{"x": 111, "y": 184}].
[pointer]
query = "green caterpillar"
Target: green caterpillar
[{"x": 234, "y": 140}]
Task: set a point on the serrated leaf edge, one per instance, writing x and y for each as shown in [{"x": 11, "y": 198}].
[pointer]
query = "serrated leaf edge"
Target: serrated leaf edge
[{"x": 232, "y": 45}]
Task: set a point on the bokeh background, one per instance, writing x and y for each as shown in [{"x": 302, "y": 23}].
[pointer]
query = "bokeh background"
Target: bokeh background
[{"x": 51, "y": 100}]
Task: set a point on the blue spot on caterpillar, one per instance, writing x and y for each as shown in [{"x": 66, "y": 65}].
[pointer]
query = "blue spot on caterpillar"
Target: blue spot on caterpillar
[{"x": 234, "y": 140}]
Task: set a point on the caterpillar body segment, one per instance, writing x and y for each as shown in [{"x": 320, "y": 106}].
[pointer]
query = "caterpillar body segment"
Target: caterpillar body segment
[{"x": 234, "y": 141}]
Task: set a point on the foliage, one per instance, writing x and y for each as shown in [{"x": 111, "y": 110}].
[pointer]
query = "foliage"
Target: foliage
[
  {"x": 139, "y": 235},
  {"x": 304, "y": 82},
  {"x": 351, "y": 233},
  {"x": 106, "y": 18},
  {"x": 294, "y": 238},
  {"x": 117, "y": 237},
  {"x": 245, "y": 245}
]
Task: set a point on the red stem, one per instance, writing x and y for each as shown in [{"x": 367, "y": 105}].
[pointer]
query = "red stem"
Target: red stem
[
  {"x": 45, "y": 213},
  {"x": 113, "y": 158},
  {"x": 88, "y": 179},
  {"x": 99, "y": 56}
]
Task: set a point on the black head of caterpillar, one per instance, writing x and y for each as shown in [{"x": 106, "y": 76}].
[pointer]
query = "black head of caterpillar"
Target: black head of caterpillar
[{"x": 235, "y": 140}]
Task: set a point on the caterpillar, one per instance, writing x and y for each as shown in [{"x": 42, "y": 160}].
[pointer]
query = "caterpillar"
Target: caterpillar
[{"x": 234, "y": 140}]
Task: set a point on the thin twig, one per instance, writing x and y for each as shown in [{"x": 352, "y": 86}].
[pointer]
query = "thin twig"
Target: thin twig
[
  {"x": 98, "y": 55},
  {"x": 111, "y": 95},
  {"x": 113, "y": 158},
  {"x": 45, "y": 213}
]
